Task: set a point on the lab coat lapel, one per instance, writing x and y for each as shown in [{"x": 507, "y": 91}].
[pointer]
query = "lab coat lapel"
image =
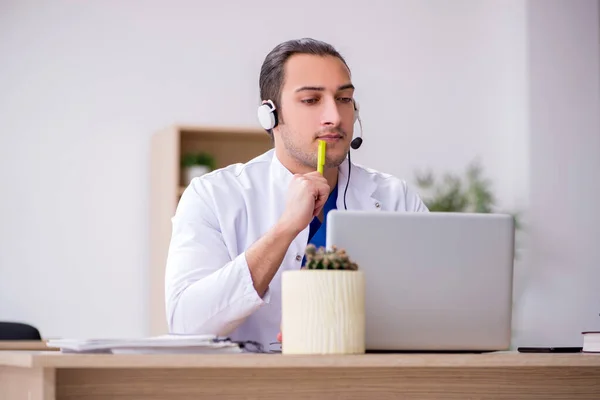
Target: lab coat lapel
[
  {"x": 361, "y": 189},
  {"x": 280, "y": 175}
]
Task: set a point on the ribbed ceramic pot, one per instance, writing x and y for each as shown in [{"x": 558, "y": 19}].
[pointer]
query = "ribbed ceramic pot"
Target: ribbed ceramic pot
[{"x": 323, "y": 312}]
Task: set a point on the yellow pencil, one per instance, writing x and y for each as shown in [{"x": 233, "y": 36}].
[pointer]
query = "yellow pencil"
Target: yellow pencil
[{"x": 321, "y": 156}]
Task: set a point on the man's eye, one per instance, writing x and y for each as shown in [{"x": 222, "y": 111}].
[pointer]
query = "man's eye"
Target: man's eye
[
  {"x": 345, "y": 99},
  {"x": 309, "y": 101}
]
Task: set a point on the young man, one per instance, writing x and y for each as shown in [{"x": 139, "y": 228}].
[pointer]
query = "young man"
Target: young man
[{"x": 237, "y": 228}]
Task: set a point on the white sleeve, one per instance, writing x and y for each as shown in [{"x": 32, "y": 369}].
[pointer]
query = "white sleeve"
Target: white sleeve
[{"x": 207, "y": 292}]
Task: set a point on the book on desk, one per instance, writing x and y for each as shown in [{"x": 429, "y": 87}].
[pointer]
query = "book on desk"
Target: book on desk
[{"x": 591, "y": 342}]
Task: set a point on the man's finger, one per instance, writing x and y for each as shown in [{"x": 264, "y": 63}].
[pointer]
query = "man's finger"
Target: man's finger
[
  {"x": 321, "y": 199},
  {"x": 317, "y": 211},
  {"x": 315, "y": 176}
]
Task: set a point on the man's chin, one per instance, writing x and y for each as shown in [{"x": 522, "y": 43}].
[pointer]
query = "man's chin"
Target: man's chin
[{"x": 336, "y": 161}]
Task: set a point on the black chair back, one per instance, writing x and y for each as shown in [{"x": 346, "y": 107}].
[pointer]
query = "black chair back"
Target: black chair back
[{"x": 18, "y": 331}]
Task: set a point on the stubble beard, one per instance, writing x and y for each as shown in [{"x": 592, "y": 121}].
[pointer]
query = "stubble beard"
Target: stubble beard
[{"x": 307, "y": 159}]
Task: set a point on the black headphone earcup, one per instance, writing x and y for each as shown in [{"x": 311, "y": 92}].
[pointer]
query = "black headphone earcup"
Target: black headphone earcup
[
  {"x": 355, "y": 144},
  {"x": 275, "y": 118}
]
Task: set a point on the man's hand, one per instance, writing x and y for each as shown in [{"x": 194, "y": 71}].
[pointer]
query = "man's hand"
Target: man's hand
[{"x": 306, "y": 197}]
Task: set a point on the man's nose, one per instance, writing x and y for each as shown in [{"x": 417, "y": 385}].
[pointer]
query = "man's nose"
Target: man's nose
[{"x": 331, "y": 114}]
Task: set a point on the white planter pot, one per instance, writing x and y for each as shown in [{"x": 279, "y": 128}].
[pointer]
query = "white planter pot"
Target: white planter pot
[
  {"x": 192, "y": 172},
  {"x": 323, "y": 312}
]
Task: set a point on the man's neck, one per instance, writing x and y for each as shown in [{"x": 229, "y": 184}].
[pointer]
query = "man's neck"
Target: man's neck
[{"x": 331, "y": 174}]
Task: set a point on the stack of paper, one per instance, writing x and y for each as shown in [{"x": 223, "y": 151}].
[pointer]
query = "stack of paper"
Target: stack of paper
[{"x": 195, "y": 344}]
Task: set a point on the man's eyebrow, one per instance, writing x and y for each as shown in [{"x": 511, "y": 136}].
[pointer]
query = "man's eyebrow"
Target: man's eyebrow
[
  {"x": 316, "y": 88},
  {"x": 321, "y": 88}
]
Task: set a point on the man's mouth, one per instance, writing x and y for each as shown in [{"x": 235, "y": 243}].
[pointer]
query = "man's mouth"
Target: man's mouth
[{"x": 330, "y": 137}]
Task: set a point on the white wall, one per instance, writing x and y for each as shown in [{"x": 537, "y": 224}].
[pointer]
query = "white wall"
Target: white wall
[
  {"x": 561, "y": 280},
  {"x": 83, "y": 86}
]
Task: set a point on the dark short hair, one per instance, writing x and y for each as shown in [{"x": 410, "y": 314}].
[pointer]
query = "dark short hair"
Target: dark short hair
[{"x": 272, "y": 70}]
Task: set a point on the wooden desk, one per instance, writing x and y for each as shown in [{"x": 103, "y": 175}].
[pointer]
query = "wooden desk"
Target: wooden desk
[
  {"x": 37, "y": 345},
  {"x": 52, "y": 375}
]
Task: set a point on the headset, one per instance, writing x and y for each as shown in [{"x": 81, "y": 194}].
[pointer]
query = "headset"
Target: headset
[{"x": 267, "y": 117}]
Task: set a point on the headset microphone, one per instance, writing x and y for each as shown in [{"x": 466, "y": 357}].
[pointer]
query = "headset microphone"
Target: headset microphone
[{"x": 357, "y": 142}]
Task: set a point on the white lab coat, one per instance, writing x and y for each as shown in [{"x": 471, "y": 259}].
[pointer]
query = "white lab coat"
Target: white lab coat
[{"x": 220, "y": 215}]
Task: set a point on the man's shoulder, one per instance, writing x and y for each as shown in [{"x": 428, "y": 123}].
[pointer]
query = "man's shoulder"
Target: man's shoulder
[
  {"x": 383, "y": 180},
  {"x": 223, "y": 188},
  {"x": 236, "y": 173},
  {"x": 396, "y": 191}
]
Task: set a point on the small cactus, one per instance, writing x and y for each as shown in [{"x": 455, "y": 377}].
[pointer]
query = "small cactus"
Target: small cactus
[{"x": 333, "y": 259}]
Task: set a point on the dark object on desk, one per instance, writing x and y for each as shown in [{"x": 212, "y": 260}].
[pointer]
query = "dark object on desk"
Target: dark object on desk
[
  {"x": 18, "y": 331},
  {"x": 549, "y": 349},
  {"x": 368, "y": 351}
]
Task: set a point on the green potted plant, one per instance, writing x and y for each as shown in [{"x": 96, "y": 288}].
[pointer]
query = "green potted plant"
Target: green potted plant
[
  {"x": 194, "y": 165},
  {"x": 323, "y": 305},
  {"x": 453, "y": 193}
]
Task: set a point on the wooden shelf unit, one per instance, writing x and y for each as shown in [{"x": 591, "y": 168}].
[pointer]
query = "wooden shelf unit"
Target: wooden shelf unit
[{"x": 228, "y": 145}]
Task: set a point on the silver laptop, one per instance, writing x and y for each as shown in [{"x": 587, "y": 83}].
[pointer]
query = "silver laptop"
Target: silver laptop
[{"x": 434, "y": 281}]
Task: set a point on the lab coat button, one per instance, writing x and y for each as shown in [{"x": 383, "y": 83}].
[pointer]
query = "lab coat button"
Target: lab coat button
[
  {"x": 377, "y": 205},
  {"x": 298, "y": 258}
]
